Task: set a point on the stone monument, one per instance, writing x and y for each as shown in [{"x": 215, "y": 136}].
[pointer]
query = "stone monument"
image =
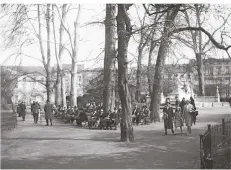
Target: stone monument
[
  {"x": 217, "y": 95},
  {"x": 182, "y": 88}
]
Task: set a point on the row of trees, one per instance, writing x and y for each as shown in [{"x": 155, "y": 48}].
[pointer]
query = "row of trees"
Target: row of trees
[
  {"x": 166, "y": 25},
  {"x": 160, "y": 27}
]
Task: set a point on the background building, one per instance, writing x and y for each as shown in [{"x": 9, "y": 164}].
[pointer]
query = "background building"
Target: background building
[{"x": 31, "y": 81}]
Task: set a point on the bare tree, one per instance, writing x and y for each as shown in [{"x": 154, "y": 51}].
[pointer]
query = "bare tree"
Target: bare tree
[
  {"x": 197, "y": 44},
  {"x": 74, "y": 65},
  {"x": 142, "y": 44},
  {"x": 60, "y": 84},
  {"x": 160, "y": 62},
  {"x": 109, "y": 58},
  {"x": 46, "y": 59},
  {"x": 124, "y": 33},
  {"x": 168, "y": 30},
  {"x": 74, "y": 55}
]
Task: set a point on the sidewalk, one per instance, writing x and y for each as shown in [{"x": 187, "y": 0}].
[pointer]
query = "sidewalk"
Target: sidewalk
[{"x": 65, "y": 146}]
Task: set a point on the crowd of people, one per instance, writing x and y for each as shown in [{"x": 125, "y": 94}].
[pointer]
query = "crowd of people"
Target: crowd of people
[
  {"x": 92, "y": 115},
  {"x": 184, "y": 112}
]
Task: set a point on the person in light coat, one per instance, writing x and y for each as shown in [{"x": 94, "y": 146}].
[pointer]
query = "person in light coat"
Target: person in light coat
[{"x": 187, "y": 115}]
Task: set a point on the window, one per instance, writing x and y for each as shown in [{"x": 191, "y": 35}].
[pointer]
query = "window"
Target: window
[
  {"x": 219, "y": 70},
  {"x": 227, "y": 69}
]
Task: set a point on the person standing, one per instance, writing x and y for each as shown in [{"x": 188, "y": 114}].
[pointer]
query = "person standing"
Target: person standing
[
  {"x": 36, "y": 111},
  {"x": 18, "y": 109},
  {"x": 23, "y": 110},
  {"x": 168, "y": 118},
  {"x": 187, "y": 115},
  {"x": 177, "y": 101},
  {"x": 178, "y": 119},
  {"x": 32, "y": 107},
  {"x": 48, "y": 112},
  {"x": 192, "y": 102},
  {"x": 182, "y": 103}
]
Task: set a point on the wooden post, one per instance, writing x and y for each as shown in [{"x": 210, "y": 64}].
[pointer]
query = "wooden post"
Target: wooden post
[
  {"x": 209, "y": 163},
  {"x": 209, "y": 140},
  {"x": 201, "y": 152},
  {"x": 223, "y": 130},
  {"x": 212, "y": 104}
]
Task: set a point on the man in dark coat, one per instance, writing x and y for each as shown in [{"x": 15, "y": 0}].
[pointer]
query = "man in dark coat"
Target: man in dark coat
[
  {"x": 23, "y": 110},
  {"x": 48, "y": 112},
  {"x": 177, "y": 101},
  {"x": 32, "y": 107},
  {"x": 192, "y": 102},
  {"x": 18, "y": 109},
  {"x": 182, "y": 103},
  {"x": 36, "y": 110},
  {"x": 168, "y": 118}
]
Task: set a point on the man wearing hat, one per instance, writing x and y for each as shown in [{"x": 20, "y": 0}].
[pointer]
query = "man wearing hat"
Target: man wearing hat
[
  {"x": 23, "y": 110},
  {"x": 168, "y": 117},
  {"x": 48, "y": 112}
]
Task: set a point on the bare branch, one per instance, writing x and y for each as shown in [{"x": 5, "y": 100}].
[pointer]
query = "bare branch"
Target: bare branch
[
  {"x": 219, "y": 46},
  {"x": 225, "y": 21}
]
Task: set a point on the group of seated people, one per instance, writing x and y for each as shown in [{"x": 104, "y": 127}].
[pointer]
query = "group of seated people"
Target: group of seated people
[
  {"x": 141, "y": 115},
  {"x": 90, "y": 115}
]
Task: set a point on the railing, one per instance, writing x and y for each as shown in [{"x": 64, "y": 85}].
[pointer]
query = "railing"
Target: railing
[
  {"x": 8, "y": 120},
  {"x": 214, "y": 137},
  {"x": 206, "y": 98}
]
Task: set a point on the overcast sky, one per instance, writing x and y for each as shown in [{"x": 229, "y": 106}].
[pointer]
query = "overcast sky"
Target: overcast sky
[{"x": 92, "y": 38}]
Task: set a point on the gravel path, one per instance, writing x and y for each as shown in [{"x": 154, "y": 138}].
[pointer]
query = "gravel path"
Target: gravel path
[{"x": 64, "y": 146}]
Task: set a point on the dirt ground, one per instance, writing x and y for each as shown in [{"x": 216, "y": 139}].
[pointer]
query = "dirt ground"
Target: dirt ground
[{"x": 65, "y": 146}]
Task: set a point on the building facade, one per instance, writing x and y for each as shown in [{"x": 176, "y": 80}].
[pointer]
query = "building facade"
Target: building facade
[
  {"x": 31, "y": 80},
  {"x": 31, "y": 83}
]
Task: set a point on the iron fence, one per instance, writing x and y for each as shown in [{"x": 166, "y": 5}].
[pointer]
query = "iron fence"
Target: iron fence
[{"x": 214, "y": 137}]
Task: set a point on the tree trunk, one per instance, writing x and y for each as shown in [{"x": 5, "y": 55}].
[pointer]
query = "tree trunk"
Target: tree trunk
[
  {"x": 60, "y": 86},
  {"x": 41, "y": 44},
  {"x": 48, "y": 82},
  {"x": 74, "y": 76},
  {"x": 63, "y": 90},
  {"x": 73, "y": 93},
  {"x": 109, "y": 58},
  {"x": 200, "y": 70},
  {"x": 138, "y": 73},
  {"x": 123, "y": 30},
  {"x": 199, "y": 57},
  {"x": 160, "y": 62},
  {"x": 61, "y": 49},
  {"x": 149, "y": 75},
  {"x": 142, "y": 44},
  {"x": 58, "y": 99}
]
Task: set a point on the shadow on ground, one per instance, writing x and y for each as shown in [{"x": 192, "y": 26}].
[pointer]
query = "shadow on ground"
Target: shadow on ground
[{"x": 60, "y": 146}]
